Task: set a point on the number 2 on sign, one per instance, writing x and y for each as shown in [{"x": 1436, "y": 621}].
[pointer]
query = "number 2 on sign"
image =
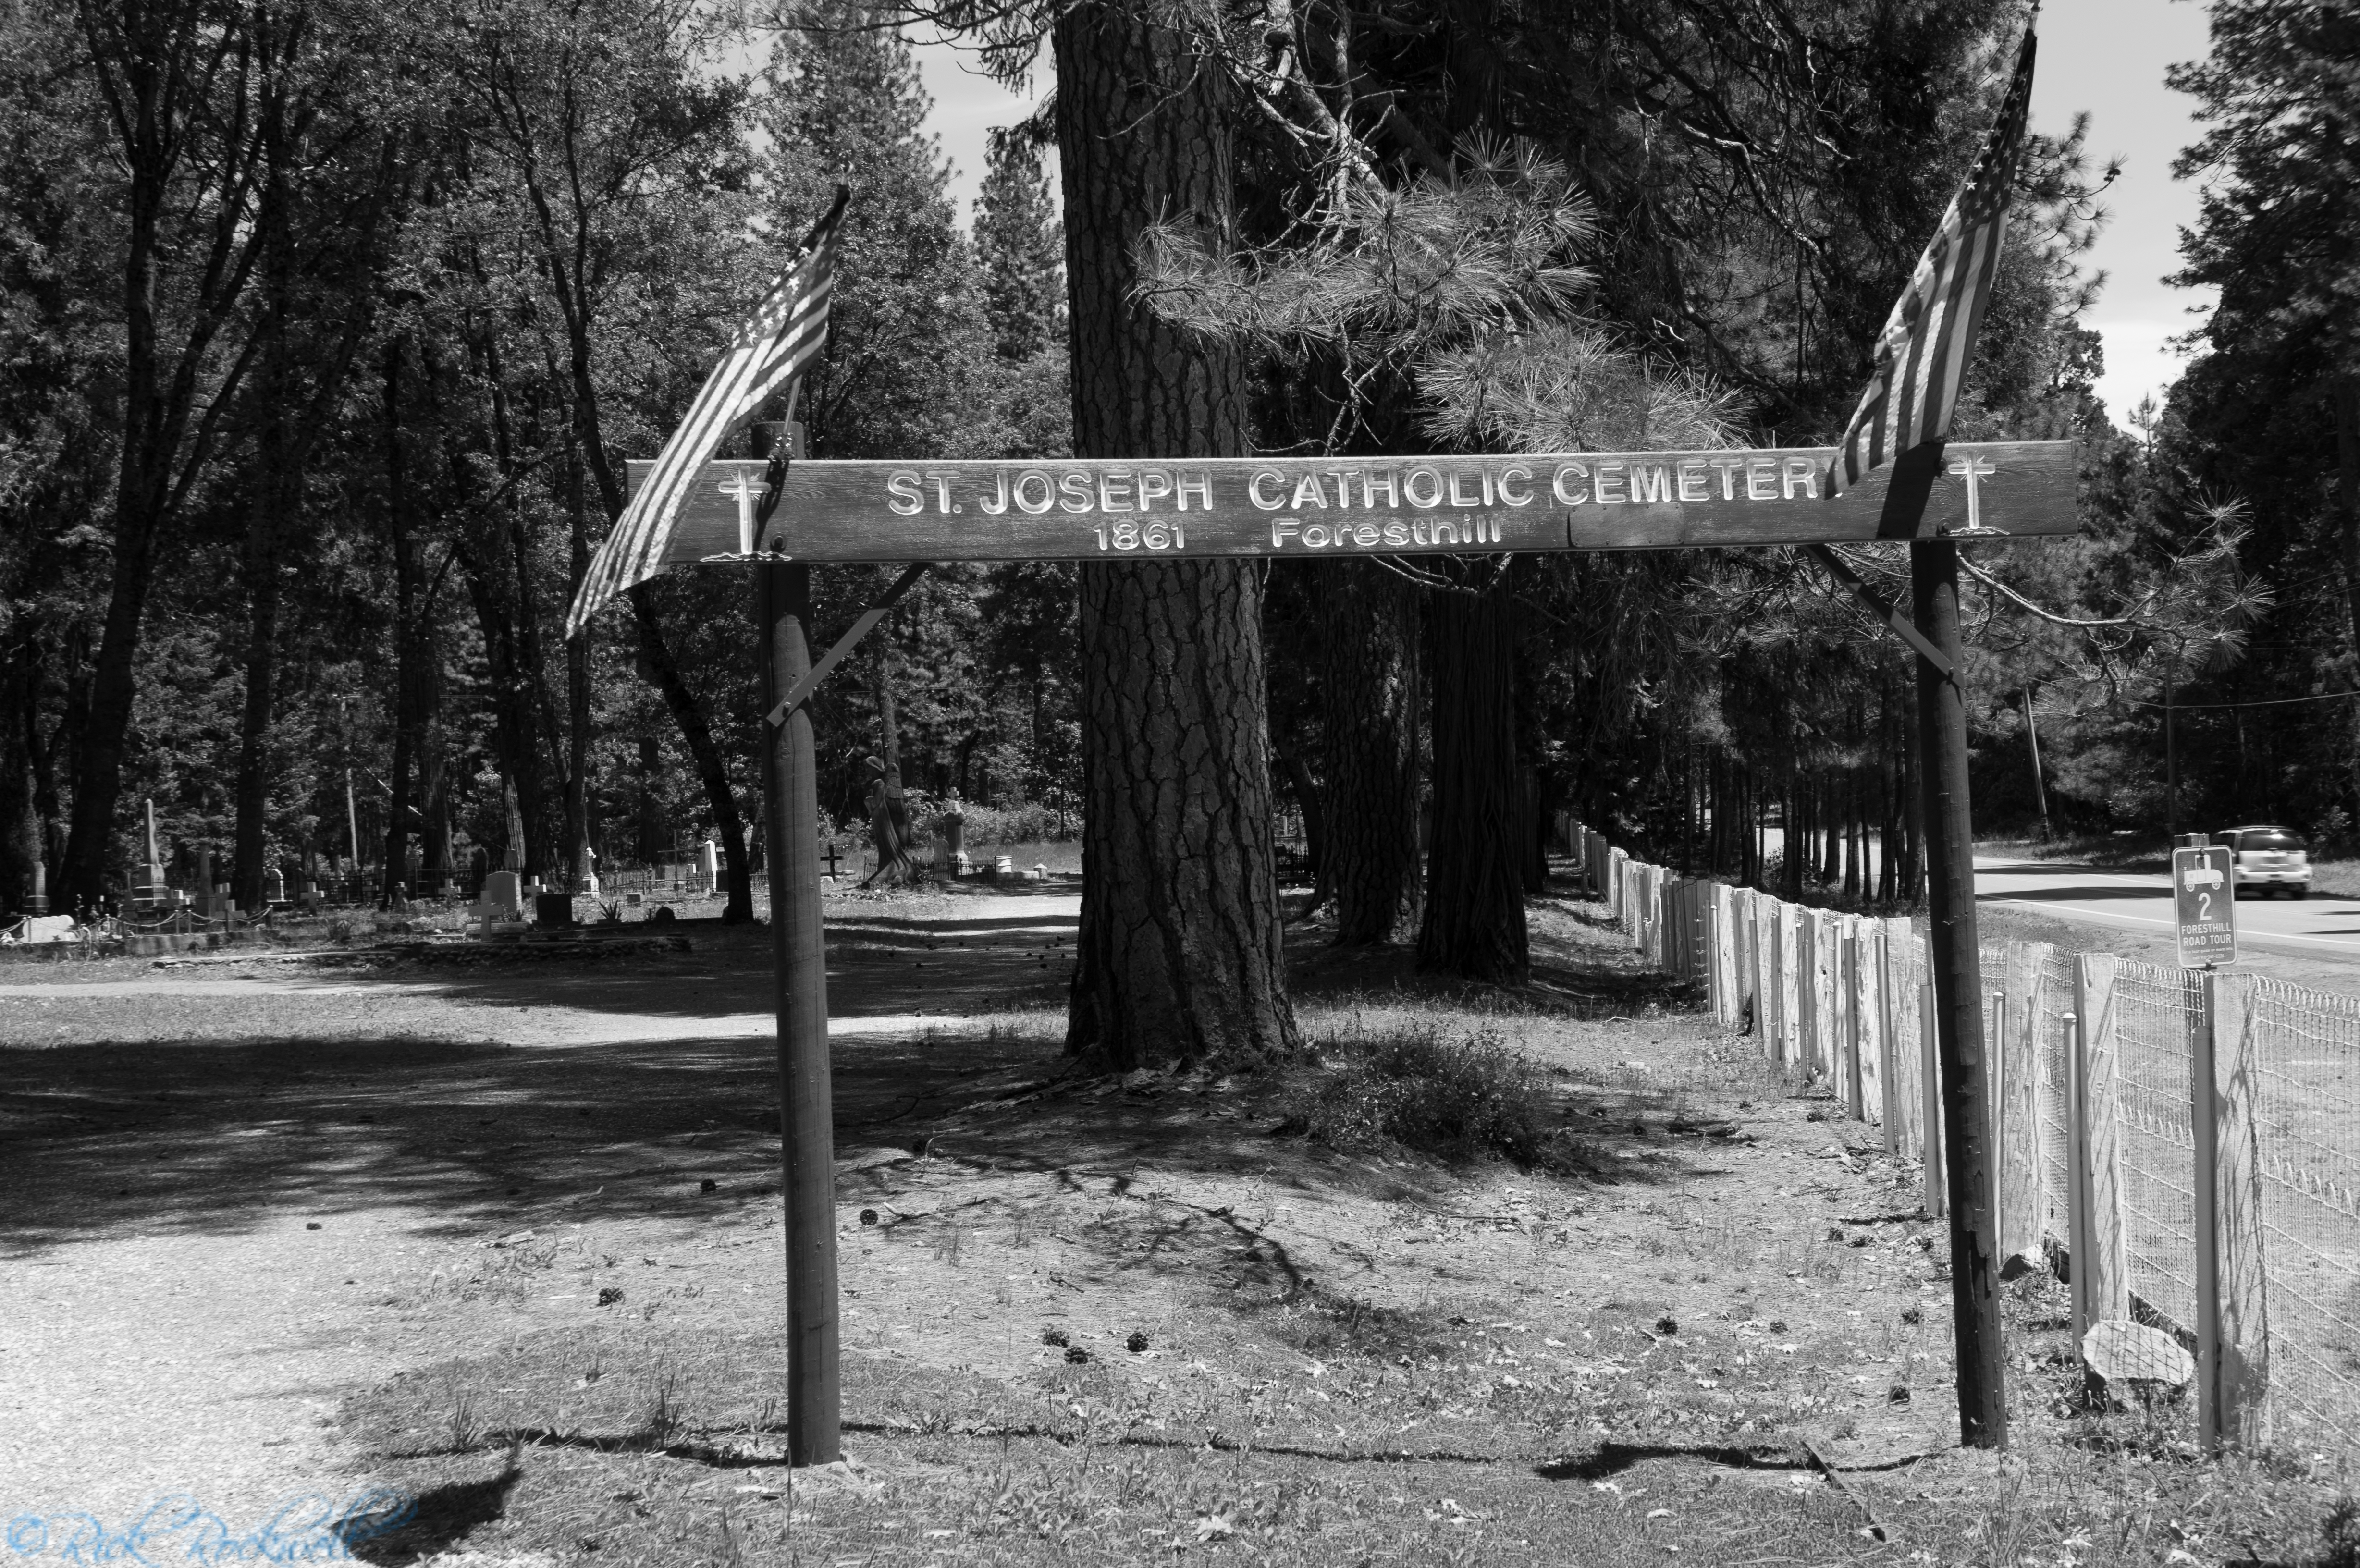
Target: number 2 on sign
[
  {"x": 1130, "y": 536},
  {"x": 2203, "y": 906}
]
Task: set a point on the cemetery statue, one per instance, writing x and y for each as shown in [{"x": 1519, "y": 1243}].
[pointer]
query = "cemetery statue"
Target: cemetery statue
[
  {"x": 955, "y": 833},
  {"x": 889, "y": 824}
]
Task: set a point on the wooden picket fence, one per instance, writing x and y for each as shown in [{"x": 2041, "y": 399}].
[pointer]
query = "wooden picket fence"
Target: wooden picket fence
[{"x": 2100, "y": 1136}]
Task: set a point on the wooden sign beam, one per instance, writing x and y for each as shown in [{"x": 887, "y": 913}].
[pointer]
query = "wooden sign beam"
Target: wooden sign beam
[{"x": 1313, "y": 508}]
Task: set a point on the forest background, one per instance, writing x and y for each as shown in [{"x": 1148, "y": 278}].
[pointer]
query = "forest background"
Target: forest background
[{"x": 325, "y": 329}]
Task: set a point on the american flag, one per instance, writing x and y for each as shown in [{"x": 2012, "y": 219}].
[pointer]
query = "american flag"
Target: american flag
[
  {"x": 1922, "y": 354},
  {"x": 774, "y": 345}
]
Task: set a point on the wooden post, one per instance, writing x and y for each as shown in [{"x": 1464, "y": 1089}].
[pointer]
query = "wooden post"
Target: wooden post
[
  {"x": 1854, "y": 1017},
  {"x": 2021, "y": 1206},
  {"x": 1929, "y": 1083},
  {"x": 1957, "y": 976},
  {"x": 2077, "y": 1182},
  {"x": 2204, "y": 1109},
  {"x": 2236, "y": 1378},
  {"x": 1892, "y": 1102},
  {"x": 2102, "y": 1283},
  {"x": 1807, "y": 989},
  {"x": 798, "y": 992}
]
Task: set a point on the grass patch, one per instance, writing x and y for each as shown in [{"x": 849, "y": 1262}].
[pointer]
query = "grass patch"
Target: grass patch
[{"x": 1456, "y": 1093}]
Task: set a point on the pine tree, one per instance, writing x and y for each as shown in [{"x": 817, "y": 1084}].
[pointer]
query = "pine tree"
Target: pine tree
[
  {"x": 902, "y": 373},
  {"x": 1017, "y": 241}
]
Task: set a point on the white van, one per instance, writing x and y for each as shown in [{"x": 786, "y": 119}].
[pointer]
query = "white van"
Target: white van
[{"x": 2270, "y": 860}]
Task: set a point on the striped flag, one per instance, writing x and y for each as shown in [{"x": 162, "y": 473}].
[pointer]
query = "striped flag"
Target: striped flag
[
  {"x": 1921, "y": 356},
  {"x": 782, "y": 336}
]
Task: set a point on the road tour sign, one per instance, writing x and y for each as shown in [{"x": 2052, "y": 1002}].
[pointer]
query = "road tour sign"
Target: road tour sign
[
  {"x": 2204, "y": 899},
  {"x": 1311, "y": 508}
]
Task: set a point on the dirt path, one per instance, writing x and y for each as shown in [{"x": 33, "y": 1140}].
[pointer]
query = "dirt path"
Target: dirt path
[{"x": 231, "y": 1213}]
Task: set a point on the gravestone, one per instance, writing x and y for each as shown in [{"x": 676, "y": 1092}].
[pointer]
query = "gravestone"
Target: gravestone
[{"x": 501, "y": 900}]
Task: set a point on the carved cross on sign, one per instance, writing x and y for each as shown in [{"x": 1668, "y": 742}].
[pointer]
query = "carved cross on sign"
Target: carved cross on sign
[
  {"x": 746, "y": 485},
  {"x": 1972, "y": 469}
]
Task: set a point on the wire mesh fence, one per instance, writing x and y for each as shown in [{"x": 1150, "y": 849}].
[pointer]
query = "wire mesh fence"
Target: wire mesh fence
[
  {"x": 2154, "y": 1010},
  {"x": 1813, "y": 986},
  {"x": 2305, "y": 1053}
]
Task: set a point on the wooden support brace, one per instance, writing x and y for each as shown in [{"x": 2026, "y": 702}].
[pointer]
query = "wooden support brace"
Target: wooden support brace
[
  {"x": 1892, "y": 619},
  {"x": 802, "y": 689}
]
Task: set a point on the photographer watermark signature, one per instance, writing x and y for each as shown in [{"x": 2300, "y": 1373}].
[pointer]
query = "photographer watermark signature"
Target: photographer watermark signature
[{"x": 310, "y": 1527}]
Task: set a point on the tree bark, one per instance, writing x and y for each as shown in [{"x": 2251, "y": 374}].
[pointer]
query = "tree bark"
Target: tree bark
[
  {"x": 1474, "y": 925},
  {"x": 265, "y": 529},
  {"x": 21, "y": 824},
  {"x": 661, "y": 670},
  {"x": 880, "y": 687},
  {"x": 2347, "y": 490},
  {"x": 408, "y": 718},
  {"x": 1179, "y": 956},
  {"x": 577, "y": 688},
  {"x": 1371, "y": 687},
  {"x": 1312, "y": 800}
]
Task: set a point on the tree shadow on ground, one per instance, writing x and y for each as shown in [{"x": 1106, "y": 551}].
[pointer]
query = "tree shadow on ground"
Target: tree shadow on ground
[{"x": 210, "y": 1138}]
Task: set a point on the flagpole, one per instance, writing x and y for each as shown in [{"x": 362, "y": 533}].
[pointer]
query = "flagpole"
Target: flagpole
[
  {"x": 799, "y": 993},
  {"x": 1957, "y": 973}
]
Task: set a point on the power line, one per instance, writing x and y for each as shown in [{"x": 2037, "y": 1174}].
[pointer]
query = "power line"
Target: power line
[{"x": 2262, "y": 702}]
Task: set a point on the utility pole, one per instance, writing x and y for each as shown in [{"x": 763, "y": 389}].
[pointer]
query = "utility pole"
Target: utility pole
[
  {"x": 1958, "y": 996},
  {"x": 2170, "y": 754},
  {"x": 2039, "y": 785}
]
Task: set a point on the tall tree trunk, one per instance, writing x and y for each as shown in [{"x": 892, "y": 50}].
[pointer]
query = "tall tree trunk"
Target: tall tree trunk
[
  {"x": 1309, "y": 799},
  {"x": 1474, "y": 924},
  {"x": 1795, "y": 840},
  {"x": 652, "y": 843},
  {"x": 1371, "y": 686},
  {"x": 1826, "y": 810},
  {"x": 21, "y": 824},
  {"x": 577, "y": 687},
  {"x": 661, "y": 670},
  {"x": 2348, "y": 489},
  {"x": 880, "y": 688},
  {"x": 1179, "y": 956},
  {"x": 408, "y": 612},
  {"x": 265, "y": 529}
]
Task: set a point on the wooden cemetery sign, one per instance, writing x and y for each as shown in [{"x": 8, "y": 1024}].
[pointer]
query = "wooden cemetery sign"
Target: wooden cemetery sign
[
  {"x": 1322, "y": 507},
  {"x": 1270, "y": 509}
]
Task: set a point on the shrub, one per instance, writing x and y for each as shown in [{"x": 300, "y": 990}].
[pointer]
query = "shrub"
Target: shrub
[
  {"x": 1457, "y": 1097},
  {"x": 2342, "y": 1532}
]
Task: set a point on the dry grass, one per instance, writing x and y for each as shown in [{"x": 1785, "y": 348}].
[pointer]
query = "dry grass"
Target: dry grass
[{"x": 1100, "y": 1321}]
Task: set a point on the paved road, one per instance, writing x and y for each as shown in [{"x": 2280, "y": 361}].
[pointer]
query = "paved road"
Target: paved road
[{"x": 2321, "y": 927}]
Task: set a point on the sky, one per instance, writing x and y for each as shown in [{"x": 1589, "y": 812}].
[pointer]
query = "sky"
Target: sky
[{"x": 2106, "y": 57}]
